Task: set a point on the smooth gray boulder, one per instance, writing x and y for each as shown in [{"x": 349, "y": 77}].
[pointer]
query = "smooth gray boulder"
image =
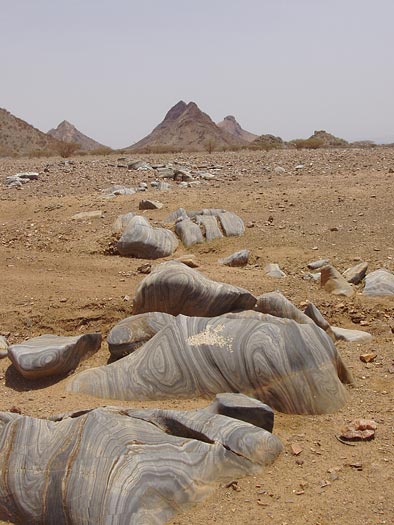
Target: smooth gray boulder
[
  {"x": 139, "y": 239},
  {"x": 51, "y": 355},
  {"x": 232, "y": 224},
  {"x": 131, "y": 333},
  {"x": 379, "y": 283},
  {"x": 295, "y": 368},
  {"x": 118, "y": 466},
  {"x": 174, "y": 288},
  {"x": 240, "y": 258},
  {"x": 210, "y": 226}
]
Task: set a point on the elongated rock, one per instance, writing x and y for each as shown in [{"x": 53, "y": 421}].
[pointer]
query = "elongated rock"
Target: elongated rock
[
  {"x": 132, "y": 332},
  {"x": 314, "y": 313},
  {"x": 175, "y": 288},
  {"x": 276, "y": 304},
  {"x": 140, "y": 239},
  {"x": 294, "y": 368},
  {"x": 333, "y": 282},
  {"x": 51, "y": 355},
  {"x": 121, "y": 466},
  {"x": 351, "y": 336},
  {"x": 379, "y": 283}
]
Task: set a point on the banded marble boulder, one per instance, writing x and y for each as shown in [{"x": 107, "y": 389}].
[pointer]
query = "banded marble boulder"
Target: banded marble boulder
[
  {"x": 139, "y": 239},
  {"x": 205, "y": 225},
  {"x": 174, "y": 288},
  {"x": 132, "y": 332},
  {"x": 294, "y": 368},
  {"x": 275, "y": 303},
  {"x": 119, "y": 466},
  {"x": 379, "y": 283},
  {"x": 52, "y": 355}
]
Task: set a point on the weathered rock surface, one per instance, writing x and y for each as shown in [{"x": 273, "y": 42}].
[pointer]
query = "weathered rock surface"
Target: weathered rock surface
[
  {"x": 315, "y": 265},
  {"x": 351, "y": 336},
  {"x": 232, "y": 225},
  {"x": 240, "y": 258},
  {"x": 3, "y": 347},
  {"x": 121, "y": 221},
  {"x": 140, "y": 239},
  {"x": 273, "y": 270},
  {"x": 51, "y": 355},
  {"x": 380, "y": 283},
  {"x": 132, "y": 332},
  {"x": 189, "y": 232},
  {"x": 333, "y": 282},
  {"x": 175, "y": 288},
  {"x": 210, "y": 225},
  {"x": 125, "y": 465},
  {"x": 295, "y": 368},
  {"x": 356, "y": 274}
]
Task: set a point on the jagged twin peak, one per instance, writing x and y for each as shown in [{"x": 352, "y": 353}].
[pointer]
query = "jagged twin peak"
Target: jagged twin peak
[
  {"x": 186, "y": 128},
  {"x": 69, "y": 133},
  {"x": 233, "y": 127}
]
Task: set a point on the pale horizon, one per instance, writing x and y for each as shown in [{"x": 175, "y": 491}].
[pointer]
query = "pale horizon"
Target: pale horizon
[{"x": 114, "y": 69}]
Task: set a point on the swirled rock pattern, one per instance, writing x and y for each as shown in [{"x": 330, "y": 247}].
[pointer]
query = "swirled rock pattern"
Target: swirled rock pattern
[
  {"x": 140, "y": 239},
  {"x": 132, "y": 332},
  {"x": 175, "y": 288},
  {"x": 51, "y": 355},
  {"x": 379, "y": 283},
  {"x": 120, "y": 466},
  {"x": 295, "y": 368},
  {"x": 275, "y": 303}
]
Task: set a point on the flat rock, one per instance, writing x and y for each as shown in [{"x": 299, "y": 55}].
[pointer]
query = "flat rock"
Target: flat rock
[
  {"x": 175, "y": 288},
  {"x": 295, "y": 368},
  {"x": 132, "y": 332},
  {"x": 51, "y": 355},
  {"x": 379, "y": 283},
  {"x": 351, "y": 336},
  {"x": 88, "y": 215},
  {"x": 148, "y": 204},
  {"x": 315, "y": 265},
  {"x": 189, "y": 260},
  {"x": 240, "y": 258},
  {"x": 189, "y": 232},
  {"x": 356, "y": 274},
  {"x": 333, "y": 282},
  {"x": 139, "y": 239},
  {"x": 273, "y": 270},
  {"x": 151, "y": 463},
  {"x": 117, "y": 189}
]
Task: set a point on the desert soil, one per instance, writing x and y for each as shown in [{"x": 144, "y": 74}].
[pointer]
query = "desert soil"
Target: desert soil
[{"x": 59, "y": 276}]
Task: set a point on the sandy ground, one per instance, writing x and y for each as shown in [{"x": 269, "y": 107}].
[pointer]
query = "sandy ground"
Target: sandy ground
[{"x": 58, "y": 276}]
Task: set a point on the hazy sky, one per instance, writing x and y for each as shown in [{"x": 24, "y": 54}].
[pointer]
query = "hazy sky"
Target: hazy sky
[{"x": 114, "y": 67}]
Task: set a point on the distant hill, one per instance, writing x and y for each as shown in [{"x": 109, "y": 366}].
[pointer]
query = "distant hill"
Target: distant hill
[
  {"x": 230, "y": 125},
  {"x": 186, "y": 128},
  {"x": 17, "y": 137},
  {"x": 69, "y": 133},
  {"x": 267, "y": 142},
  {"x": 328, "y": 140}
]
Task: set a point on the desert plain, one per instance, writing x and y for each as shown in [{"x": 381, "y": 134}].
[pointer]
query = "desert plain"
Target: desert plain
[{"x": 60, "y": 275}]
